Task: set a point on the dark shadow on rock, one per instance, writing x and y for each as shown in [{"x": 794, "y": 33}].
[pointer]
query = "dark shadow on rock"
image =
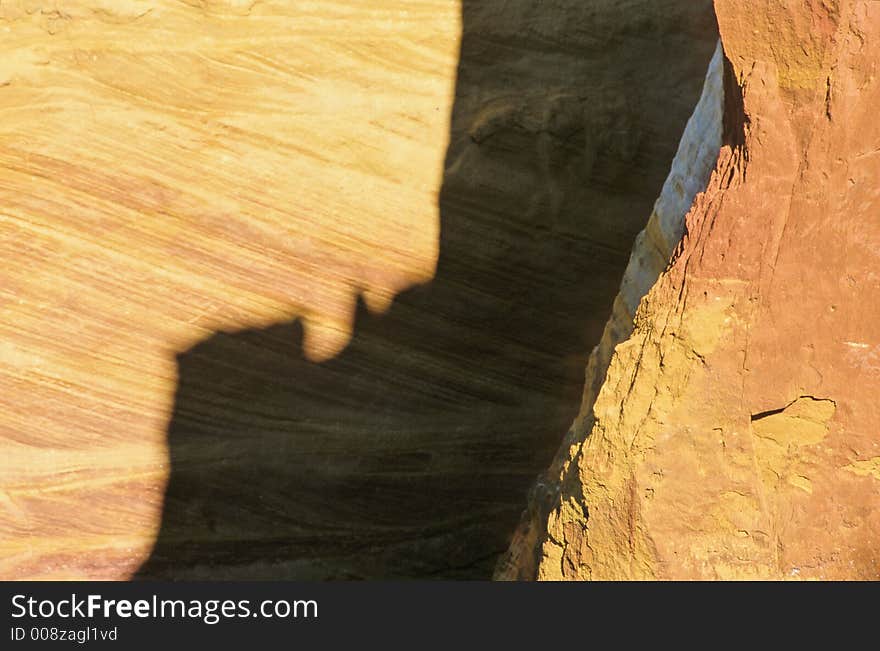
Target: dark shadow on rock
[{"x": 410, "y": 454}]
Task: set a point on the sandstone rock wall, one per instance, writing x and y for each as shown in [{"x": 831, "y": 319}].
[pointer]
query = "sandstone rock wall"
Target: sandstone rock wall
[{"x": 735, "y": 435}]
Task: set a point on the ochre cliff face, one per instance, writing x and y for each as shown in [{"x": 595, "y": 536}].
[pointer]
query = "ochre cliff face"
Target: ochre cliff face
[
  {"x": 736, "y": 434},
  {"x": 653, "y": 247},
  {"x": 305, "y": 289}
]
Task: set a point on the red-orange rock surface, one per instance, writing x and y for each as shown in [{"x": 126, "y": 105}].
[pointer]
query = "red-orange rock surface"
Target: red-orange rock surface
[{"x": 737, "y": 434}]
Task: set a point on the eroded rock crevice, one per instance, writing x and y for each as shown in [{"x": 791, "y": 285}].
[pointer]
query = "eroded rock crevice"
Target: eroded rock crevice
[{"x": 653, "y": 248}]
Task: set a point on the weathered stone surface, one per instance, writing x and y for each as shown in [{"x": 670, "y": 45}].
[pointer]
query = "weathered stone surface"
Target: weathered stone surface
[
  {"x": 736, "y": 433},
  {"x": 226, "y": 267},
  {"x": 690, "y": 172}
]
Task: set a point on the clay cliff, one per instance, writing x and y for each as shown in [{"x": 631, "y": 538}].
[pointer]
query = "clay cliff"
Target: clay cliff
[
  {"x": 306, "y": 290},
  {"x": 315, "y": 290},
  {"x": 735, "y": 432}
]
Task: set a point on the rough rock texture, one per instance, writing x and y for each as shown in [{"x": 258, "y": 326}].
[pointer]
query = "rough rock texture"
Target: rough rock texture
[
  {"x": 736, "y": 434},
  {"x": 241, "y": 333},
  {"x": 689, "y": 174}
]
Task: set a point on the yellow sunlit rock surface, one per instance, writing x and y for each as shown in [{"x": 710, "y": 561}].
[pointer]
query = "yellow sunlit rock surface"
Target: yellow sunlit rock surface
[{"x": 172, "y": 168}]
